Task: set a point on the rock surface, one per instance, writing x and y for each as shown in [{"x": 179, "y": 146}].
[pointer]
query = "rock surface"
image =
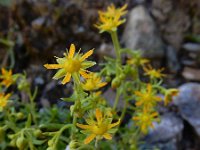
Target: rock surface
[
  {"x": 188, "y": 103},
  {"x": 168, "y": 129},
  {"x": 191, "y": 74},
  {"x": 165, "y": 134},
  {"x": 192, "y": 47},
  {"x": 172, "y": 19},
  {"x": 140, "y": 33}
]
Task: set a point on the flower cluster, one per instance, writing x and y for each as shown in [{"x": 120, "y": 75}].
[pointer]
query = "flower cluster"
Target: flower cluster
[
  {"x": 4, "y": 100},
  {"x": 71, "y": 65},
  {"x": 99, "y": 128},
  {"x": 93, "y": 82},
  {"x": 153, "y": 73},
  {"x": 110, "y": 19},
  {"x": 136, "y": 85},
  {"x": 6, "y": 77},
  {"x": 144, "y": 119}
]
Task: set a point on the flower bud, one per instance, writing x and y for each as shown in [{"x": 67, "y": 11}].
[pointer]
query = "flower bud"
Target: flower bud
[
  {"x": 49, "y": 148},
  {"x": 13, "y": 143},
  {"x": 20, "y": 115},
  {"x": 115, "y": 83},
  {"x": 21, "y": 142},
  {"x": 122, "y": 77},
  {"x": 37, "y": 132},
  {"x": 108, "y": 78},
  {"x": 50, "y": 143},
  {"x": 73, "y": 145}
]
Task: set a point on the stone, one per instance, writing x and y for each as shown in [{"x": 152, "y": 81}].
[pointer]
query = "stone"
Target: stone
[
  {"x": 191, "y": 74},
  {"x": 141, "y": 33},
  {"x": 172, "y": 19},
  {"x": 110, "y": 95},
  {"x": 188, "y": 103},
  {"x": 168, "y": 129},
  {"x": 38, "y": 23},
  {"x": 105, "y": 50},
  {"x": 172, "y": 59},
  {"x": 191, "y": 47}
]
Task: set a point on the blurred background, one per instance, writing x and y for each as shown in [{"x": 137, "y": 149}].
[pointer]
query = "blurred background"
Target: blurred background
[{"x": 167, "y": 31}]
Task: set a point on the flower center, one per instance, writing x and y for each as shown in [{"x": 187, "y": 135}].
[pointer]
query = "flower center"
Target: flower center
[
  {"x": 3, "y": 102},
  {"x": 99, "y": 129},
  {"x": 145, "y": 118},
  {"x": 72, "y": 65},
  {"x": 89, "y": 84}
]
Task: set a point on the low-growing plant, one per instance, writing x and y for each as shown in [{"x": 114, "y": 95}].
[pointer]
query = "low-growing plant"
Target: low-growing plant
[{"x": 92, "y": 122}]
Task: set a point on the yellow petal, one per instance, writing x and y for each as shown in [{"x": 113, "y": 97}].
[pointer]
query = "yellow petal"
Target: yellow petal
[
  {"x": 102, "y": 84},
  {"x": 144, "y": 128},
  {"x": 136, "y": 118},
  {"x": 67, "y": 78},
  {"x": 71, "y": 51},
  {"x": 3, "y": 71},
  {"x": 52, "y": 66},
  {"x": 123, "y": 7},
  {"x": 89, "y": 138},
  {"x": 139, "y": 103},
  {"x": 114, "y": 124},
  {"x": 107, "y": 136},
  {"x": 137, "y": 93},
  {"x": 86, "y": 55},
  {"x": 7, "y": 96},
  {"x": 155, "y": 114},
  {"x": 82, "y": 126},
  {"x": 10, "y": 72},
  {"x": 98, "y": 115},
  {"x": 149, "y": 88},
  {"x": 84, "y": 74}
]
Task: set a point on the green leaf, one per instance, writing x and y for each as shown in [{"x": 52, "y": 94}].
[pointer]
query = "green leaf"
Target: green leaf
[
  {"x": 38, "y": 142},
  {"x": 61, "y": 73},
  {"x": 4, "y": 41},
  {"x": 28, "y": 122}
]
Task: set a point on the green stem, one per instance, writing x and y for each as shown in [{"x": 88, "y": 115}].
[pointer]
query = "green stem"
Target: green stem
[
  {"x": 116, "y": 99},
  {"x": 59, "y": 134},
  {"x": 32, "y": 104},
  {"x": 116, "y": 46},
  {"x": 118, "y": 62},
  {"x": 74, "y": 127},
  {"x": 77, "y": 90},
  {"x": 96, "y": 144},
  {"x": 124, "y": 110}
]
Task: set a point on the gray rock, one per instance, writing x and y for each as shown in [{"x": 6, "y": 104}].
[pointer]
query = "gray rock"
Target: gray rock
[
  {"x": 141, "y": 33},
  {"x": 172, "y": 59},
  {"x": 110, "y": 95},
  {"x": 192, "y": 47},
  {"x": 172, "y": 19},
  {"x": 105, "y": 50},
  {"x": 168, "y": 130},
  {"x": 191, "y": 74},
  {"x": 188, "y": 102},
  {"x": 38, "y": 22}
]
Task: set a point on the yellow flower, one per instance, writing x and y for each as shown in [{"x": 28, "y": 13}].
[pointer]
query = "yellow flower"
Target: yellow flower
[
  {"x": 3, "y": 100},
  {"x": 169, "y": 94},
  {"x": 110, "y": 19},
  {"x": 6, "y": 77},
  {"x": 145, "y": 120},
  {"x": 71, "y": 64},
  {"x": 99, "y": 128},
  {"x": 146, "y": 97},
  {"x": 137, "y": 61},
  {"x": 93, "y": 82},
  {"x": 153, "y": 73}
]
